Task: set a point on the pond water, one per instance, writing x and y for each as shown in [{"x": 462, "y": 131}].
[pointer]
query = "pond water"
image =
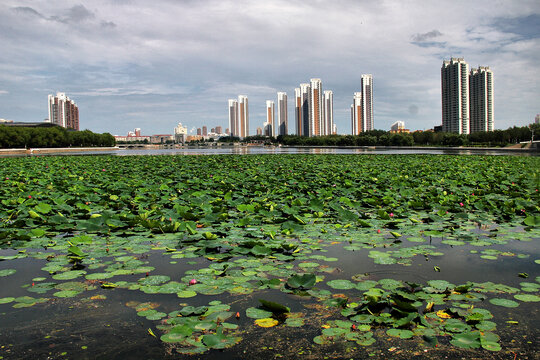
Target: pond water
[
  {"x": 258, "y": 150},
  {"x": 100, "y": 262}
]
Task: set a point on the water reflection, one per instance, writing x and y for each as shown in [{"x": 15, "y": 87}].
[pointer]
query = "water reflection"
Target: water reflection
[{"x": 254, "y": 150}]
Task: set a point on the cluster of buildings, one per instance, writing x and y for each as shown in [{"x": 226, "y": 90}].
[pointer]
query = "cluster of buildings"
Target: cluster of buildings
[
  {"x": 314, "y": 111},
  {"x": 63, "y": 111},
  {"x": 467, "y": 97}
]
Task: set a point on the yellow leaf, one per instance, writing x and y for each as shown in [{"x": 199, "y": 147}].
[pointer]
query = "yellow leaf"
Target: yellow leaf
[
  {"x": 151, "y": 332},
  {"x": 443, "y": 315},
  {"x": 266, "y": 322},
  {"x": 326, "y": 326}
]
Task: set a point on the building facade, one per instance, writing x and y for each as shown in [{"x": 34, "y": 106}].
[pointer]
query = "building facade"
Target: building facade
[
  {"x": 481, "y": 99},
  {"x": 357, "y": 123},
  {"x": 63, "y": 111},
  {"x": 243, "y": 116},
  {"x": 269, "y": 129},
  {"x": 180, "y": 133},
  {"x": 282, "y": 117},
  {"x": 367, "y": 101},
  {"x": 455, "y": 96},
  {"x": 316, "y": 108},
  {"x": 328, "y": 112},
  {"x": 233, "y": 117}
]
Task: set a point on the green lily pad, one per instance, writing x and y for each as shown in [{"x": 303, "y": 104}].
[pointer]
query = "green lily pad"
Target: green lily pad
[
  {"x": 527, "y": 297},
  {"x": 341, "y": 284},
  {"x": 7, "y": 272},
  {"x": 504, "y": 302},
  {"x": 255, "y": 313}
]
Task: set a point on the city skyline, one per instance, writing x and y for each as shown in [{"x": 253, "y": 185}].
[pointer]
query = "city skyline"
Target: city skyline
[{"x": 125, "y": 69}]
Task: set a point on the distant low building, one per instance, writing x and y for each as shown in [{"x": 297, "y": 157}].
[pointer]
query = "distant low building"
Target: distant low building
[
  {"x": 399, "y": 127},
  {"x": 537, "y": 119},
  {"x": 5, "y": 121},
  {"x": 180, "y": 134}
]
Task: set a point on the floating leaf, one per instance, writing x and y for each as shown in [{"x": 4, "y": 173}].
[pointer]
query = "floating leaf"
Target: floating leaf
[
  {"x": 266, "y": 322},
  {"x": 504, "y": 302}
]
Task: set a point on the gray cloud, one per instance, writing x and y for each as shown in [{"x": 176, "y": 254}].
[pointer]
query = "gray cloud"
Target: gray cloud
[
  {"x": 426, "y": 36},
  {"x": 25, "y": 10}
]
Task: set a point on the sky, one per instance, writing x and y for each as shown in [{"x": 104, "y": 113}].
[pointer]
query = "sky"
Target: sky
[{"x": 152, "y": 64}]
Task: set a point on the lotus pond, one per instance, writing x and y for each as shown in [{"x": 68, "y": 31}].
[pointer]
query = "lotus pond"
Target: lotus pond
[{"x": 270, "y": 256}]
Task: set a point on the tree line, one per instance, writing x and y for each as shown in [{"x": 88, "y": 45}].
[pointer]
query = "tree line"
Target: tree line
[
  {"x": 495, "y": 138},
  {"x": 50, "y": 137}
]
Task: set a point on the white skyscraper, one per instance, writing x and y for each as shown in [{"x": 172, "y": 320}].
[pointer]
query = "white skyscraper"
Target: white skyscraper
[
  {"x": 328, "y": 118},
  {"x": 243, "y": 116},
  {"x": 233, "y": 118},
  {"x": 455, "y": 96},
  {"x": 269, "y": 124},
  {"x": 282, "y": 119},
  {"x": 481, "y": 99},
  {"x": 367, "y": 101}
]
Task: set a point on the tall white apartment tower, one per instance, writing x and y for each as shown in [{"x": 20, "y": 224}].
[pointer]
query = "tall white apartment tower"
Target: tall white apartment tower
[
  {"x": 243, "y": 116},
  {"x": 328, "y": 113},
  {"x": 282, "y": 113},
  {"x": 455, "y": 96},
  {"x": 316, "y": 108},
  {"x": 481, "y": 99},
  {"x": 269, "y": 129},
  {"x": 357, "y": 123},
  {"x": 367, "y": 101},
  {"x": 233, "y": 118},
  {"x": 63, "y": 111}
]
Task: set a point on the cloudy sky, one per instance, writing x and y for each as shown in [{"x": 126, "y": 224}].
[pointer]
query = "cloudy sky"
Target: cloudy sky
[{"x": 152, "y": 64}]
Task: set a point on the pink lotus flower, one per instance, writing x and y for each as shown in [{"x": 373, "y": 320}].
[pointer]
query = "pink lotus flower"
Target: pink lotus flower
[
  {"x": 29, "y": 196},
  {"x": 378, "y": 231},
  {"x": 391, "y": 215},
  {"x": 192, "y": 282},
  {"x": 460, "y": 204}
]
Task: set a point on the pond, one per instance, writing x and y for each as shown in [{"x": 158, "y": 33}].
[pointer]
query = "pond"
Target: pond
[{"x": 270, "y": 256}]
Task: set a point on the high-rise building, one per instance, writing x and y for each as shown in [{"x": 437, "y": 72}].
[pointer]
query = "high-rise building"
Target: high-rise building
[
  {"x": 259, "y": 130},
  {"x": 357, "y": 122},
  {"x": 316, "y": 108},
  {"x": 397, "y": 126},
  {"x": 269, "y": 124},
  {"x": 298, "y": 111},
  {"x": 367, "y": 101},
  {"x": 243, "y": 116},
  {"x": 305, "y": 96},
  {"x": 328, "y": 112},
  {"x": 219, "y": 130},
  {"x": 481, "y": 99},
  {"x": 63, "y": 111},
  {"x": 199, "y": 132},
  {"x": 204, "y": 131},
  {"x": 282, "y": 117},
  {"x": 233, "y": 117},
  {"x": 455, "y": 96},
  {"x": 537, "y": 119}
]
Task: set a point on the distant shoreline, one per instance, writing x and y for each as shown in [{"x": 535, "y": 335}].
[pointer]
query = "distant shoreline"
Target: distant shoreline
[{"x": 32, "y": 151}]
